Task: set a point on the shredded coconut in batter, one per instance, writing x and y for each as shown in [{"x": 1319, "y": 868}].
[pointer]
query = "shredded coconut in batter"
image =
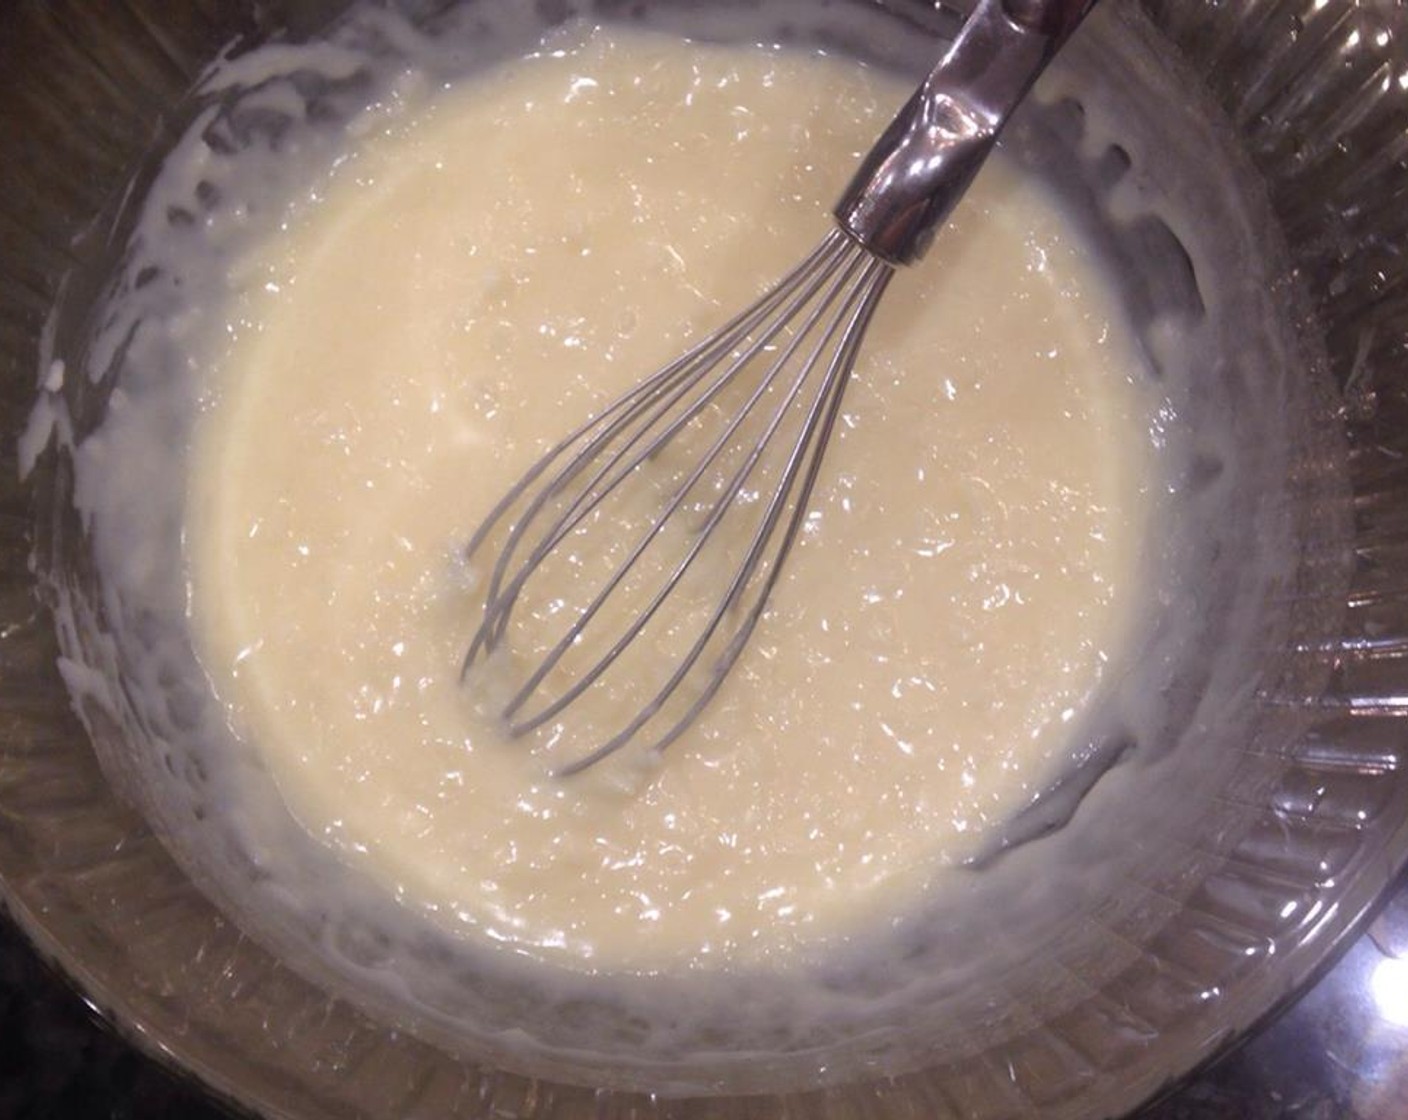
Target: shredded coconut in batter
[{"x": 484, "y": 266}]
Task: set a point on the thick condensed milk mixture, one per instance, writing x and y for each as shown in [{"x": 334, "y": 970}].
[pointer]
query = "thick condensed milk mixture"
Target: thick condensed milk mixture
[{"x": 487, "y": 264}]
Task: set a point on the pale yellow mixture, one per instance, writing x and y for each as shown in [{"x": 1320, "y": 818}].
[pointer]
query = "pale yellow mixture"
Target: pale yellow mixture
[{"x": 488, "y": 265}]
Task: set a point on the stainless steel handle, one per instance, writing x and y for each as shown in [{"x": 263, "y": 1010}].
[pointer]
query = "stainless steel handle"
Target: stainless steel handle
[{"x": 921, "y": 166}]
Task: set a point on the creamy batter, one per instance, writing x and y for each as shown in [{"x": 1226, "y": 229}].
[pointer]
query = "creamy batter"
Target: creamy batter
[{"x": 487, "y": 265}]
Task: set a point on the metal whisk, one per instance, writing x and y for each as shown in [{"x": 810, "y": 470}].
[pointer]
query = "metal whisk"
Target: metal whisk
[{"x": 722, "y": 447}]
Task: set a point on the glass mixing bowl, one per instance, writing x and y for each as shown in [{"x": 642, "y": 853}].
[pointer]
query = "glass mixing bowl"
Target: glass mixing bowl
[{"x": 1252, "y": 842}]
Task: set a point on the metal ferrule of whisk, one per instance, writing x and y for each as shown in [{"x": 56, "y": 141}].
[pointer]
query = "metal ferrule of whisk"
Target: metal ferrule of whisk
[{"x": 727, "y": 440}]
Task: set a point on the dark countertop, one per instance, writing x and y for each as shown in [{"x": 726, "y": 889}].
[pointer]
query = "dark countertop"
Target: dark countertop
[{"x": 1341, "y": 1053}]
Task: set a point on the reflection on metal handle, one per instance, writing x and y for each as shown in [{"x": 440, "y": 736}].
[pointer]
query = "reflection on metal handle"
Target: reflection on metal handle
[
  {"x": 1058, "y": 19},
  {"x": 922, "y": 165}
]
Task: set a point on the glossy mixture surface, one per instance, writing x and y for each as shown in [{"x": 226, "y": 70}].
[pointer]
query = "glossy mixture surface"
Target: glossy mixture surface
[{"x": 488, "y": 264}]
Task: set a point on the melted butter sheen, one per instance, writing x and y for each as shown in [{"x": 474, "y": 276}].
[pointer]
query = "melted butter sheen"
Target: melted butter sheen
[{"x": 489, "y": 264}]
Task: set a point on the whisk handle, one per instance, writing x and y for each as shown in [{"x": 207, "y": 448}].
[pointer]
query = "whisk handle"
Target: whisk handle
[{"x": 922, "y": 164}]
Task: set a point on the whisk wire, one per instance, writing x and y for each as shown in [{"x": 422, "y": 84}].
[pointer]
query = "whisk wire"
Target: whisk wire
[
  {"x": 807, "y": 449},
  {"x": 843, "y": 276},
  {"x": 671, "y": 383},
  {"x": 649, "y": 417}
]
